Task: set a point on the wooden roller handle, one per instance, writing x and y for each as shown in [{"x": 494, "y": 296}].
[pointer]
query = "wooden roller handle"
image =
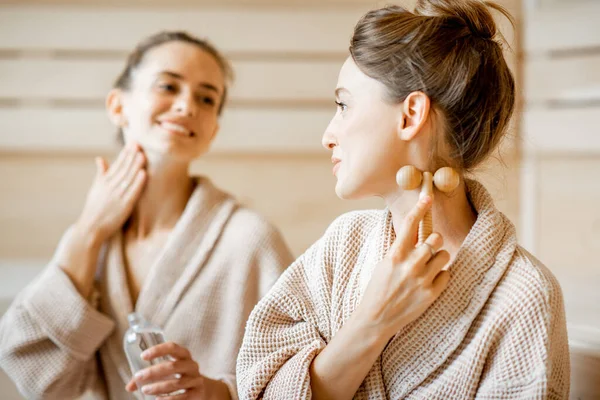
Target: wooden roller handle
[{"x": 426, "y": 224}]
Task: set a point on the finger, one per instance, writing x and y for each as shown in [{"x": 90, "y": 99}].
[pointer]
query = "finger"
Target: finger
[
  {"x": 128, "y": 162},
  {"x": 166, "y": 370},
  {"x": 407, "y": 232},
  {"x": 118, "y": 163},
  {"x": 426, "y": 251},
  {"x": 436, "y": 265},
  {"x": 133, "y": 190},
  {"x": 166, "y": 349},
  {"x": 130, "y": 166},
  {"x": 131, "y": 386},
  {"x": 129, "y": 174},
  {"x": 440, "y": 283},
  {"x": 101, "y": 166},
  {"x": 172, "y": 385}
]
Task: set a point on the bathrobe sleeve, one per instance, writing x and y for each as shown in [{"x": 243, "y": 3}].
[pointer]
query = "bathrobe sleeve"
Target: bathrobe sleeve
[
  {"x": 284, "y": 333},
  {"x": 49, "y": 337}
]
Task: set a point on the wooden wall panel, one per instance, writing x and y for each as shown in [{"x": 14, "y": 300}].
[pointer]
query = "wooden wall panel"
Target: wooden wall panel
[
  {"x": 566, "y": 81},
  {"x": 567, "y": 27},
  {"x": 73, "y": 131},
  {"x": 569, "y": 226},
  {"x": 73, "y": 79},
  {"x": 43, "y": 195},
  {"x": 235, "y": 30},
  {"x": 561, "y": 130},
  {"x": 52, "y": 84}
]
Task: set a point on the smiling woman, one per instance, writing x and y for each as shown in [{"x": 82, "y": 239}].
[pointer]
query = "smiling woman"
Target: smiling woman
[
  {"x": 153, "y": 240},
  {"x": 162, "y": 81}
]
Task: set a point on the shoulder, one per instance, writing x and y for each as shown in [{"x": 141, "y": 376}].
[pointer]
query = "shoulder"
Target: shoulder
[
  {"x": 242, "y": 221},
  {"x": 251, "y": 232},
  {"x": 530, "y": 289},
  {"x": 249, "y": 223},
  {"x": 536, "y": 280}
]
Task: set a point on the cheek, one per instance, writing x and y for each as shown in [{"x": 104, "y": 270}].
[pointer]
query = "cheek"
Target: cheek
[
  {"x": 147, "y": 106},
  {"x": 207, "y": 121},
  {"x": 370, "y": 146},
  {"x": 157, "y": 103},
  {"x": 360, "y": 135}
]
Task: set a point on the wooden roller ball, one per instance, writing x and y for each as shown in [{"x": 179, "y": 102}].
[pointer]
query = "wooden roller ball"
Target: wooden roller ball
[{"x": 445, "y": 180}]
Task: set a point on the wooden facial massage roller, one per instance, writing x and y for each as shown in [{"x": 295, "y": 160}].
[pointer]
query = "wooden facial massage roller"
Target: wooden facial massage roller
[{"x": 445, "y": 180}]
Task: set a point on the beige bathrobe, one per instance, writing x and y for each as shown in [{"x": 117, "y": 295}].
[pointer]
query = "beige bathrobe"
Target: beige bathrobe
[
  {"x": 497, "y": 332},
  {"x": 217, "y": 263}
]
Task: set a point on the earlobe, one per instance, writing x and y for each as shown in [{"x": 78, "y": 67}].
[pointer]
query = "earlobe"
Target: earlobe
[
  {"x": 114, "y": 108},
  {"x": 415, "y": 111}
]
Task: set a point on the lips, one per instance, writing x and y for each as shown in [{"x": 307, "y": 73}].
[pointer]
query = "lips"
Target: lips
[
  {"x": 336, "y": 164},
  {"x": 177, "y": 128}
]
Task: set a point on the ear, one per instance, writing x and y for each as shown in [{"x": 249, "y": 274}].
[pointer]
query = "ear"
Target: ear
[
  {"x": 114, "y": 108},
  {"x": 415, "y": 110}
]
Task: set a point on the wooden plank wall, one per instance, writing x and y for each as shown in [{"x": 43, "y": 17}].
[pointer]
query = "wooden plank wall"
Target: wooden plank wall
[
  {"x": 58, "y": 62},
  {"x": 58, "y": 59},
  {"x": 560, "y": 192}
]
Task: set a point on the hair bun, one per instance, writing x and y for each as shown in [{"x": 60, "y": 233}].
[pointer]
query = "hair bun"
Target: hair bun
[{"x": 474, "y": 14}]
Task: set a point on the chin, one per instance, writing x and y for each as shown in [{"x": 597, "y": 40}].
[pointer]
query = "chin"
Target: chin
[
  {"x": 172, "y": 153},
  {"x": 180, "y": 150},
  {"x": 346, "y": 192}
]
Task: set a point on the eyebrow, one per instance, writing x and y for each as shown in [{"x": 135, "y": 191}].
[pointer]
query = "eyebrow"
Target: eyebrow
[
  {"x": 205, "y": 85},
  {"x": 340, "y": 90}
]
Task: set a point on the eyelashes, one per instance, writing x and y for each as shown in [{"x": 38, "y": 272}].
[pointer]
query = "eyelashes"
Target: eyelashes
[
  {"x": 167, "y": 87},
  {"x": 342, "y": 106},
  {"x": 200, "y": 99},
  {"x": 208, "y": 100}
]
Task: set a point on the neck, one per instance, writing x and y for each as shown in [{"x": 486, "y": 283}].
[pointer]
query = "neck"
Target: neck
[
  {"x": 452, "y": 214},
  {"x": 163, "y": 200}
]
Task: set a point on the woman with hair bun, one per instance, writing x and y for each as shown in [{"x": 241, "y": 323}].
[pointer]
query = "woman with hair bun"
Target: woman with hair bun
[{"x": 371, "y": 311}]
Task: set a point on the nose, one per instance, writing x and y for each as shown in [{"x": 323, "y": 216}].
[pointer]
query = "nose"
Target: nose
[
  {"x": 328, "y": 141},
  {"x": 186, "y": 105}
]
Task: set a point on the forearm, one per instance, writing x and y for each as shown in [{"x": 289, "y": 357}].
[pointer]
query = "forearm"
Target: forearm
[
  {"x": 79, "y": 256},
  {"x": 341, "y": 367}
]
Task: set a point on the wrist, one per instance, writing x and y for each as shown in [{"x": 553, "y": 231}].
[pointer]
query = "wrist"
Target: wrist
[
  {"x": 215, "y": 389},
  {"x": 371, "y": 334},
  {"x": 88, "y": 235},
  {"x": 376, "y": 325}
]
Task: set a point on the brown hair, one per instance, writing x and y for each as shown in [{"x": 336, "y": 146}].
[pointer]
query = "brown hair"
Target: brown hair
[
  {"x": 445, "y": 49},
  {"x": 136, "y": 57}
]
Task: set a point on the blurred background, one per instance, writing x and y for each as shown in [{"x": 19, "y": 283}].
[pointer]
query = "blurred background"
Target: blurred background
[{"x": 58, "y": 59}]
